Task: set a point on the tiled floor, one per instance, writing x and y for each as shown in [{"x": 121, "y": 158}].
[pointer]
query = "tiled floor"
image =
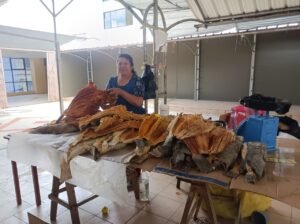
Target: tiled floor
[{"x": 166, "y": 206}]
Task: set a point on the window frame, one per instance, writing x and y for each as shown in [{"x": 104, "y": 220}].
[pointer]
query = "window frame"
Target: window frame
[
  {"x": 128, "y": 21},
  {"x": 13, "y": 82}
]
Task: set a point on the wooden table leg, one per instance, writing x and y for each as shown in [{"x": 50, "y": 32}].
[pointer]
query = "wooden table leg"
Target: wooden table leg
[
  {"x": 16, "y": 182},
  {"x": 201, "y": 190},
  {"x": 73, "y": 204},
  {"x": 188, "y": 205},
  {"x": 198, "y": 203},
  {"x": 36, "y": 185},
  {"x": 178, "y": 183},
  {"x": 238, "y": 218},
  {"x": 135, "y": 183},
  {"x": 54, "y": 193},
  {"x": 193, "y": 208},
  {"x": 205, "y": 192}
]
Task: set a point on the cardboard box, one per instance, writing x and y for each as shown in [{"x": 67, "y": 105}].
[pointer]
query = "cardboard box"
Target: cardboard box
[{"x": 282, "y": 180}]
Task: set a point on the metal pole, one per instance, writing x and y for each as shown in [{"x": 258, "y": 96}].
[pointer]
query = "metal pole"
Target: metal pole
[
  {"x": 91, "y": 67},
  {"x": 165, "y": 77},
  {"x": 197, "y": 71},
  {"x": 58, "y": 67},
  {"x": 155, "y": 56},
  {"x": 195, "y": 78},
  {"x": 57, "y": 50},
  {"x": 87, "y": 71},
  {"x": 145, "y": 55},
  {"x": 252, "y": 68}
]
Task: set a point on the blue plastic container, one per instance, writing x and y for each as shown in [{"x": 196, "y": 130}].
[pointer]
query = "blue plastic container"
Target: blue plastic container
[{"x": 261, "y": 129}]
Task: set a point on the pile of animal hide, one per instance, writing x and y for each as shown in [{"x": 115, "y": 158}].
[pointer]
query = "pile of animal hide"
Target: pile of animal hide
[
  {"x": 106, "y": 130},
  {"x": 189, "y": 141},
  {"x": 112, "y": 129},
  {"x": 86, "y": 102},
  {"x": 193, "y": 142}
]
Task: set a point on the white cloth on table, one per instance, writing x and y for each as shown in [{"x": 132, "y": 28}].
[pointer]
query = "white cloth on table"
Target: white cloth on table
[{"x": 103, "y": 177}]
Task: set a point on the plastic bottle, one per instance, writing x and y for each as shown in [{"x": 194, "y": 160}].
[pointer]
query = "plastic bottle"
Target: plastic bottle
[{"x": 144, "y": 186}]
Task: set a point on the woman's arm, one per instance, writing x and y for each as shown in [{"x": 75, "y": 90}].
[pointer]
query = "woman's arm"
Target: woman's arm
[{"x": 132, "y": 99}]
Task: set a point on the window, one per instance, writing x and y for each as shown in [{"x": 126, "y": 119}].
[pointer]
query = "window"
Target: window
[
  {"x": 117, "y": 18},
  {"x": 17, "y": 74}
]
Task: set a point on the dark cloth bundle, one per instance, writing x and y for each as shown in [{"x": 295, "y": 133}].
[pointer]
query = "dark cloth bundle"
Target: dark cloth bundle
[
  {"x": 149, "y": 82},
  {"x": 260, "y": 102},
  {"x": 290, "y": 126}
]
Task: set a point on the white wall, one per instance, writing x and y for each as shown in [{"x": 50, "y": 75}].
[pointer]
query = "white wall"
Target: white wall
[
  {"x": 74, "y": 75},
  {"x": 180, "y": 71}
]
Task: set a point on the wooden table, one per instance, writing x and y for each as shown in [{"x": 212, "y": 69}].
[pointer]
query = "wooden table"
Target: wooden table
[{"x": 198, "y": 191}]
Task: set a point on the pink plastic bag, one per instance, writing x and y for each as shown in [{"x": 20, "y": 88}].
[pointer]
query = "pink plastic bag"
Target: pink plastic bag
[{"x": 239, "y": 113}]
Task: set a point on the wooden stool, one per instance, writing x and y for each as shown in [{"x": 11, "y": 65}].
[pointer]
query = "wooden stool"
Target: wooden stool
[
  {"x": 199, "y": 192},
  {"x": 32, "y": 219},
  {"x": 72, "y": 204}
]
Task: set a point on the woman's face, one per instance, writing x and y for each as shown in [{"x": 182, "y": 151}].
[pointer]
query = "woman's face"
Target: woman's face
[{"x": 124, "y": 67}]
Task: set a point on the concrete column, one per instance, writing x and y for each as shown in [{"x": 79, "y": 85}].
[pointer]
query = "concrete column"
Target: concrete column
[
  {"x": 53, "y": 93},
  {"x": 3, "y": 95}
]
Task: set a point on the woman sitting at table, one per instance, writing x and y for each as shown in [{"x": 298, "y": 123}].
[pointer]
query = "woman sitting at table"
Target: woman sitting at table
[{"x": 127, "y": 86}]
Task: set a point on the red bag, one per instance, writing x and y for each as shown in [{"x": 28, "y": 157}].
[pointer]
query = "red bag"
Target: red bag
[{"x": 239, "y": 113}]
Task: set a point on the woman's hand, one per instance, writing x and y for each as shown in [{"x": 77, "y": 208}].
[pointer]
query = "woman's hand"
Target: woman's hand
[
  {"x": 116, "y": 91},
  {"x": 132, "y": 99}
]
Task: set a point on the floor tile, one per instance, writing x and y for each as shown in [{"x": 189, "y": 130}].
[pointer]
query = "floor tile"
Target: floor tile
[
  {"x": 173, "y": 193},
  {"x": 161, "y": 177},
  {"x": 96, "y": 205},
  {"x": 12, "y": 220},
  {"x": 81, "y": 194},
  {"x": 97, "y": 220},
  {"x": 45, "y": 178},
  {"x": 295, "y": 221},
  {"x": 5, "y": 197},
  {"x": 139, "y": 204},
  {"x": 146, "y": 218},
  {"x": 30, "y": 198},
  {"x": 10, "y": 208},
  {"x": 177, "y": 215},
  {"x": 280, "y": 208},
  {"x": 171, "y": 222},
  {"x": 65, "y": 217},
  {"x": 119, "y": 214},
  {"x": 156, "y": 186},
  {"x": 295, "y": 213},
  {"x": 42, "y": 211},
  {"x": 25, "y": 187},
  {"x": 162, "y": 206},
  {"x": 278, "y": 219}
]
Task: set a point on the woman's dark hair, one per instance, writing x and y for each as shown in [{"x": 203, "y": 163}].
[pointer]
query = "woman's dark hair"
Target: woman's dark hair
[{"x": 128, "y": 58}]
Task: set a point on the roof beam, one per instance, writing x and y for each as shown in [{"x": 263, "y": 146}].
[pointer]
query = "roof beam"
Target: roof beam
[
  {"x": 129, "y": 8},
  {"x": 247, "y": 32},
  {"x": 274, "y": 13},
  {"x": 183, "y": 21},
  {"x": 200, "y": 10}
]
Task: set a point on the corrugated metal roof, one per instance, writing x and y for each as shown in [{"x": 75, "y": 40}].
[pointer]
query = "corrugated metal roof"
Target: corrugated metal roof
[
  {"x": 240, "y": 17},
  {"x": 222, "y": 14},
  {"x": 223, "y": 8}
]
